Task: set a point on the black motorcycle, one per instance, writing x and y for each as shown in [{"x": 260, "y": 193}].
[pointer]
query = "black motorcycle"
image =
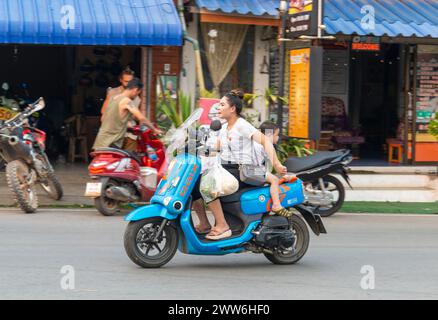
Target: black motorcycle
[
  {"x": 323, "y": 190},
  {"x": 22, "y": 147}
]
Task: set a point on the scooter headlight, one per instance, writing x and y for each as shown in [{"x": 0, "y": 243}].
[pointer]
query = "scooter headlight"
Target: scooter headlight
[
  {"x": 171, "y": 165},
  {"x": 167, "y": 200}
]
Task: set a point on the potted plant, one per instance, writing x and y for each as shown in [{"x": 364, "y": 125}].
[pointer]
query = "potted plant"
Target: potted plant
[
  {"x": 173, "y": 112},
  {"x": 433, "y": 126},
  {"x": 293, "y": 147}
]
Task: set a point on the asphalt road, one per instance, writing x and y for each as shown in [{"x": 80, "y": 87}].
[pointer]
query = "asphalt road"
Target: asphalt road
[{"x": 403, "y": 251}]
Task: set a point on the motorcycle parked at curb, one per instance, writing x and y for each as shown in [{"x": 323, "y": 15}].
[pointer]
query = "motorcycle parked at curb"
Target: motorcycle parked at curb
[
  {"x": 122, "y": 177},
  {"x": 23, "y": 149},
  {"x": 8, "y": 109},
  {"x": 156, "y": 231},
  {"x": 321, "y": 188}
]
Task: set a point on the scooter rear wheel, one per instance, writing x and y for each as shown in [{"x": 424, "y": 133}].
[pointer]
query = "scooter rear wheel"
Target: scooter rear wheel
[
  {"x": 334, "y": 186},
  {"x": 299, "y": 249},
  {"x": 106, "y": 206},
  {"x": 141, "y": 247}
]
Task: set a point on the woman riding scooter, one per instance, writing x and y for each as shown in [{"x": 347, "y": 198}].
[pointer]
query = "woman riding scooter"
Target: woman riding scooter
[{"x": 236, "y": 143}]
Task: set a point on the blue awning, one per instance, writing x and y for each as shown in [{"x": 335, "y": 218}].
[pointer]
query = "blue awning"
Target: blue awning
[
  {"x": 254, "y": 7},
  {"x": 393, "y": 18},
  {"x": 406, "y": 18},
  {"x": 90, "y": 22}
]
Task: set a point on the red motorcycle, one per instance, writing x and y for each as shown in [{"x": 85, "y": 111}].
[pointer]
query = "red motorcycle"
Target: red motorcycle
[{"x": 121, "y": 176}]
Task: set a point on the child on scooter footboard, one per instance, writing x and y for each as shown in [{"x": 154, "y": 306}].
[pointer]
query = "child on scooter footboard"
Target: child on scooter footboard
[{"x": 272, "y": 132}]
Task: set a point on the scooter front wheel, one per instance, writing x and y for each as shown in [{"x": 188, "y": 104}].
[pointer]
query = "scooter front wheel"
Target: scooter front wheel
[
  {"x": 145, "y": 248},
  {"x": 298, "y": 250}
]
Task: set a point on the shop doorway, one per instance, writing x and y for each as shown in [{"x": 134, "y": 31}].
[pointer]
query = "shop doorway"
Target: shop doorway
[
  {"x": 375, "y": 100},
  {"x": 73, "y": 80}
]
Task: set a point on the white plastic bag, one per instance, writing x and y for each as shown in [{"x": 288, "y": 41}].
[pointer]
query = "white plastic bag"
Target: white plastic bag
[{"x": 217, "y": 182}]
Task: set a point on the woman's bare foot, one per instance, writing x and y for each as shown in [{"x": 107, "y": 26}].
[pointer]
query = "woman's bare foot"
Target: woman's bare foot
[
  {"x": 220, "y": 228},
  {"x": 203, "y": 229},
  {"x": 219, "y": 233}
]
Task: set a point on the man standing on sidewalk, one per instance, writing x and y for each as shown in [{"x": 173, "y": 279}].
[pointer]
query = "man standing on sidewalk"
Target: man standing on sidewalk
[
  {"x": 116, "y": 117},
  {"x": 130, "y": 142}
]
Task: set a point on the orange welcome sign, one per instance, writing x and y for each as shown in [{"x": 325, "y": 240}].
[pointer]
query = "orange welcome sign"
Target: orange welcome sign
[{"x": 299, "y": 93}]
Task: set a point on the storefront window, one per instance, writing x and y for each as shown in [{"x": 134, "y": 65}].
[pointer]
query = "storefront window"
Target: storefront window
[
  {"x": 229, "y": 53},
  {"x": 167, "y": 100},
  {"x": 426, "y": 103}
]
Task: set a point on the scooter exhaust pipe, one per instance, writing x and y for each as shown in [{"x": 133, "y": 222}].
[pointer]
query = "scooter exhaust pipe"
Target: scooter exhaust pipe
[{"x": 121, "y": 194}]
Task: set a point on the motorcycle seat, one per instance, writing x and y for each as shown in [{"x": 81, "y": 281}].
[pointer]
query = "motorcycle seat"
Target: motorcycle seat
[
  {"x": 119, "y": 151},
  {"x": 320, "y": 158},
  {"x": 236, "y": 196}
]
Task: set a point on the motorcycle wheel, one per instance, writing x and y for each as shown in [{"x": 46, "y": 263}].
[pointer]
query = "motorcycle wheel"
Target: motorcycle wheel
[
  {"x": 106, "y": 206},
  {"x": 298, "y": 250},
  {"x": 2, "y": 164},
  {"x": 53, "y": 186},
  {"x": 331, "y": 184},
  {"x": 141, "y": 248},
  {"x": 19, "y": 178}
]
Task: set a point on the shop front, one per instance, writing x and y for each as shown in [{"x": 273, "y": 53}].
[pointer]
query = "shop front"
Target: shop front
[
  {"x": 71, "y": 52},
  {"x": 234, "y": 39},
  {"x": 379, "y": 78}
]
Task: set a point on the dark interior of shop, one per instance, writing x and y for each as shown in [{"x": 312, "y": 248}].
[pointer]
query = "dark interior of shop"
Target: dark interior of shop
[
  {"x": 72, "y": 80},
  {"x": 375, "y": 99}
]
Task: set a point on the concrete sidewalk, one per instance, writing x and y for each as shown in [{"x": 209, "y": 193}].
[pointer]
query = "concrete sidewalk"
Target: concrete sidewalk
[
  {"x": 73, "y": 178},
  {"x": 407, "y": 184}
]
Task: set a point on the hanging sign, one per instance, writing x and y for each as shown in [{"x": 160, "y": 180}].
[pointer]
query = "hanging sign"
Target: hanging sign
[
  {"x": 305, "y": 93},
  {"x": 365, "y": 43},
  {"x": 302, "y": 18}
]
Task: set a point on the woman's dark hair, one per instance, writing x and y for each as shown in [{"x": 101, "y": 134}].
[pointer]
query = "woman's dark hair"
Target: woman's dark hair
[
  {"x": 235, "y": 99},
  {"x": 134, "y": 83},
  {"x": 127, "y": 72},
  {"x": 268, "y": 126}
]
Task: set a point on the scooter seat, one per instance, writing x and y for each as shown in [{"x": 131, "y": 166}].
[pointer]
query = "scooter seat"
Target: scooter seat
[
  {"x": 297, "y": 165},
  {"x": 119, "y": 151},
  {"x": 236, "y": 196}
]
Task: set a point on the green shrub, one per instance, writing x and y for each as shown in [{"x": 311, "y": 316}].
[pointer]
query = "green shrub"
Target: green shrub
[
  {"x": 293, "y": 147},
  {"x": 433, "y": 126}
]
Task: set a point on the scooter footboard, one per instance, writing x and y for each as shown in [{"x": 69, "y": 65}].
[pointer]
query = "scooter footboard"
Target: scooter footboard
[
  {"x": 313, "y": 219},
  {"x": 150, "y": 211}
]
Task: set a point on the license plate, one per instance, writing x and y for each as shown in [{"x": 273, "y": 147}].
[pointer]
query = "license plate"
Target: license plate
[{"x": 94, "y": 189}]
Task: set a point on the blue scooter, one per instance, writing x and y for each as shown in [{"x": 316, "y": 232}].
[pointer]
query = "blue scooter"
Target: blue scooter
[{"x": 157, "y": 230}]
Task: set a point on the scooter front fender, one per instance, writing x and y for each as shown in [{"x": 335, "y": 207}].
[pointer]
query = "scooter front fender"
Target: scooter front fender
[{"x": 150, "y": 211}]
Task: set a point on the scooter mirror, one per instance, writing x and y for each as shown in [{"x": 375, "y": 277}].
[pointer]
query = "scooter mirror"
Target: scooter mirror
[
  {"x": 143, "y": 128},
  {"x": 214, "y": 111},
  {"x": 216, "y": 125}
]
